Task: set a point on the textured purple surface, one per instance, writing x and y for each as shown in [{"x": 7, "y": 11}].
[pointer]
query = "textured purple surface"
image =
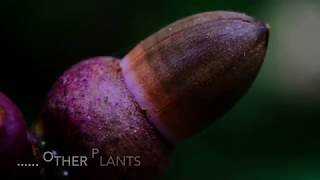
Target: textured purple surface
[{"x": 91, "y": 107}]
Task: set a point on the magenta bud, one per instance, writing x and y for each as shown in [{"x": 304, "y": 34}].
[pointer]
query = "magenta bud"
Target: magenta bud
[{"x": 15, "y": 149}]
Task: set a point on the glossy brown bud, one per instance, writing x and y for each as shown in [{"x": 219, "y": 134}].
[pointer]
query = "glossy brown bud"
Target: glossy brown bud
[{"x": 191, "y": 72}]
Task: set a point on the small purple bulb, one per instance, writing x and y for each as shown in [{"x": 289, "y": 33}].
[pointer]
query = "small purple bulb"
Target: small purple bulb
[{"x": 15, "y": 148}]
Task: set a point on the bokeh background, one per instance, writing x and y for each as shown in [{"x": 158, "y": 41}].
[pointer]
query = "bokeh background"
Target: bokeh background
[{"x": 272, "y": 133}]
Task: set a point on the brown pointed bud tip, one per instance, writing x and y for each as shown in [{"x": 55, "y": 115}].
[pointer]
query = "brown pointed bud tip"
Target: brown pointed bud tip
[
  {"x": 191, "y": 72},
  {"x": 14, "y": 145}
]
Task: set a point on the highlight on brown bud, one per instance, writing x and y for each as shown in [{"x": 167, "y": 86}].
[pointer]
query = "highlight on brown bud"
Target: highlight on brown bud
[
  {"x": 191, "y": 72},
  {"x": 14, "y": 145}
]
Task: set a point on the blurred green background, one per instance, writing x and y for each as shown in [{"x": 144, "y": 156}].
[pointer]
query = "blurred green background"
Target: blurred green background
[{"x": 272, "y": 133}]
